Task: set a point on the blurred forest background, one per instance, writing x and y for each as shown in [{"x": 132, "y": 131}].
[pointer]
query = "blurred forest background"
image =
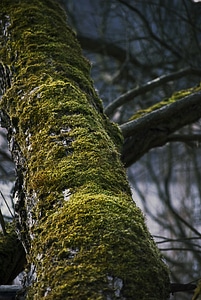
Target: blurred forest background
[{"x": 131, "y": 43}]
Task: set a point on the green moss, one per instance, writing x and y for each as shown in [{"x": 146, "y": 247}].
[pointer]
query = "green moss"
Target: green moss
[
  {"x": 94, "y": 236},
  {"x": 84, "y": 243},
  {"x": 176, "y": 96}
]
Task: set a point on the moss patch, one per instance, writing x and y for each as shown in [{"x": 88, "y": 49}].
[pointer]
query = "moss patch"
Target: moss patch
[{"x": 94, "y": 236}]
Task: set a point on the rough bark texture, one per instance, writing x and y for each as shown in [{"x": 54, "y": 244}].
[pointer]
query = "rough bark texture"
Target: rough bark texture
[{"x": 77, "y": 220}]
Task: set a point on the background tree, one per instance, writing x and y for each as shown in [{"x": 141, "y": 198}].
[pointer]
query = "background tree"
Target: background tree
[{"x": 159, "y": 49}]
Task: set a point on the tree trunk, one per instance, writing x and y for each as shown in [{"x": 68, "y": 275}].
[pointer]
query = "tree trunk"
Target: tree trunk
[{"x": 83, "y": 234}]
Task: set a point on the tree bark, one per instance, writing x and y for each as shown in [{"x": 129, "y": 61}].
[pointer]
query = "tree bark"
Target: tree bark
[{"x": 83, "y": 234}]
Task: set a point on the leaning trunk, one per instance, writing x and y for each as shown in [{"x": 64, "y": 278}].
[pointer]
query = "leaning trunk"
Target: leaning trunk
[{"x": 83, "y": 234}]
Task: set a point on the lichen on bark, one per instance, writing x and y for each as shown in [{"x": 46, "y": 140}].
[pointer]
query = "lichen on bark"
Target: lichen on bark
[{"x": 81, "y": 229}]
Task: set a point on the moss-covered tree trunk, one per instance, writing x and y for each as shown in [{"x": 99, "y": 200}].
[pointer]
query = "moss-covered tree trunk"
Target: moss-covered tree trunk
[{"x": 83, "y": 234}]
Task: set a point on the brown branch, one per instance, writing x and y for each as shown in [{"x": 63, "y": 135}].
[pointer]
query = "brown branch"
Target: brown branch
[
  {"x": 153, "y": 129},
  {"x": 125, "y": 98}
]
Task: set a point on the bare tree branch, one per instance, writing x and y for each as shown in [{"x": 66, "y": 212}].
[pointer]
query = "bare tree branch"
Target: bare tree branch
[
  {"x": 157, "y": 126},
  {"x": 192, "y": 140},
  {"x": 150, "y": 31},
  {"x": 104, "y": 47},
  {"x": 181, "y": 239},
  {"x": 109, "y": 110},
  {"x": 179, "y": 249}
]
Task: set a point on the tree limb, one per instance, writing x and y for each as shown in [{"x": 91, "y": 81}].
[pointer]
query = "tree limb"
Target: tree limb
[
  {"x": 104, "y": 47},
  {"x": 191, "y": 140},
  {"x": 109, "y": 110},
  {"x": 154, "y": 129}
]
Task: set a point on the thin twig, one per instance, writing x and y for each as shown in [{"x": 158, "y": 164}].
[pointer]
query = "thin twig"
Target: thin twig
[
  {"x": 6, "y": 203},
  {"x": 2, "y": 222}
]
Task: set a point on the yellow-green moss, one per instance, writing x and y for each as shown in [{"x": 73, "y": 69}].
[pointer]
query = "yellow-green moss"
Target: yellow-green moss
[
  {"x": 92, "y": 236},
  {"x": 84, "y": 243},
  {"x": 176, "y": 96}
]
